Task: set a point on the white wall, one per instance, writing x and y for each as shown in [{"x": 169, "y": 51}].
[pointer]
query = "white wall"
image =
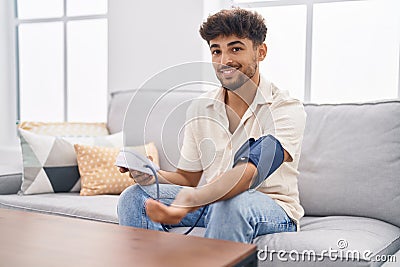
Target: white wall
[
  {"x": 8, "y": 137},
  {"x": 146, "y": 37}
]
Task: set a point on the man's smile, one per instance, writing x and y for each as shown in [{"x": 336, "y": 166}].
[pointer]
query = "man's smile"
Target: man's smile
[{"x": 228, "y": 71}]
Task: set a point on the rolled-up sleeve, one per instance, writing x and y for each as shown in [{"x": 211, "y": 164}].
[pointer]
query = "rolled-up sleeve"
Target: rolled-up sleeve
[{"x": 289, "y": 122}]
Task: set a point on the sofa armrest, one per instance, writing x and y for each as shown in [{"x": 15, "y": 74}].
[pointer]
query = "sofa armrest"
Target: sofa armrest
[
  {"x": 10, "y": 183},
  {"x": 11, "y": 169}
]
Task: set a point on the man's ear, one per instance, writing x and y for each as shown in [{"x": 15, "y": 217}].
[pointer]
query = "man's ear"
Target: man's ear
[{"x": 262, "y": 51}]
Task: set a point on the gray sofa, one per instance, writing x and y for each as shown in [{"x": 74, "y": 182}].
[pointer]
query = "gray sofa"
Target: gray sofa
[{"x": 349, "y": 179}]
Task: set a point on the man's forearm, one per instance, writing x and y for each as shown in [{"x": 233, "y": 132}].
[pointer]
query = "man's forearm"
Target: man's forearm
[
  {"x": 227, "y": 185},
  {"x": 166, "y": 177}
]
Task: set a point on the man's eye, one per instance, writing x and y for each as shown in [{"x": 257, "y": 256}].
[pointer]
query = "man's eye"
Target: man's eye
[
  {"x": 236, "y": 49},
  {"x": 215, "y": 52}
]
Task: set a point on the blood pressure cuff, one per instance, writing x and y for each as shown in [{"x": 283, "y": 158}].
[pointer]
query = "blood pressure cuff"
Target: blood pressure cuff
[{"x": 266, "y": 153}]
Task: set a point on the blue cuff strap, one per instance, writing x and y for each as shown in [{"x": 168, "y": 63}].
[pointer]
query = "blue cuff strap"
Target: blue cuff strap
[{"x": 266, "y": 153}]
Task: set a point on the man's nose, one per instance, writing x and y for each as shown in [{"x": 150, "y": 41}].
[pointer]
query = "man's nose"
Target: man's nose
[{"x": 225, "y": 59}]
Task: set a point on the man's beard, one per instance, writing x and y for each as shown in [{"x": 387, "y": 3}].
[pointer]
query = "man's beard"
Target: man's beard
[{"x": 239, "y": 79}]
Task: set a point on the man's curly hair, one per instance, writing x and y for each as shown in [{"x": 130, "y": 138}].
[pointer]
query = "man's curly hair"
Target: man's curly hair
[{"x": 240, "y": 22}]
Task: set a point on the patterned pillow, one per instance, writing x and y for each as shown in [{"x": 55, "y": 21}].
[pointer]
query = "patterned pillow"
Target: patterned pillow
[
  {"x": 50, "y": 163},
  {"x": 99, "y": 175},
  {"x": 65, "y": 128}
]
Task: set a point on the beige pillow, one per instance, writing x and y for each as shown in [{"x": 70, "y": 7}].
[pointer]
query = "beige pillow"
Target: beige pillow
[
  {"x": 98, "y": 173},
  {"x": 65, "y": 128}
]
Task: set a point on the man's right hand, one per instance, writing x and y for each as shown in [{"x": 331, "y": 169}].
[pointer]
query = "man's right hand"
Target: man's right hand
[{"x": 139, "y": 177}]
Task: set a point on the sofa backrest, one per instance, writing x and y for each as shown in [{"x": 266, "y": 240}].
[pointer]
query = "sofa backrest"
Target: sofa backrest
[
  {"x": 350, "y": 160},
  {"x": 152, "y": 115}
]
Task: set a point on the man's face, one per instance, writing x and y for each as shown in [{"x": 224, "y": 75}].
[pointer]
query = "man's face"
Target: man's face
[{"x": 235, "y": 60}]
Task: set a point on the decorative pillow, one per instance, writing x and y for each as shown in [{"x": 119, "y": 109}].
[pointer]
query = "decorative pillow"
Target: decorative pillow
[
  {"x": 65, "y": 128},
  {"x": 99, "y": 175},
  {"x": 50, "y": 163}
]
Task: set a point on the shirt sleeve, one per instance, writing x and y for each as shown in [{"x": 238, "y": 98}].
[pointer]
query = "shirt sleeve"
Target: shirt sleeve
[
  {"x": 289, "y": 120},
  {"x": 189, "y": 159}
]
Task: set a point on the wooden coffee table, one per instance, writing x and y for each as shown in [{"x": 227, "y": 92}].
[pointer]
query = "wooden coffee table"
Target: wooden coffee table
[{"x": 33, "y": 239}]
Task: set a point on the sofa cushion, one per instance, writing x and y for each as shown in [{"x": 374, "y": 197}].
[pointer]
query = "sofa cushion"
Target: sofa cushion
[
  {"x": 360, "y": 240},
  {"x": 98, "y": 172},
  {"x": 350, "y": 161},
  {"x": 352, "y": 241},
  {"x": 99, "y": 208}
]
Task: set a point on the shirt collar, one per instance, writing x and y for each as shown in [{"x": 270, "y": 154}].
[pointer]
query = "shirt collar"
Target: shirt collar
[{"x": 264, "y": 92}]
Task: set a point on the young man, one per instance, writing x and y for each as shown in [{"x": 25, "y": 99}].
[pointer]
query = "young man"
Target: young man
[{"x": 249, "y": 107}]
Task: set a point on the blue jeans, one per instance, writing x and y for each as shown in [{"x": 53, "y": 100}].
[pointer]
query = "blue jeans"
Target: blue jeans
[{"x": 241, "y": 218}]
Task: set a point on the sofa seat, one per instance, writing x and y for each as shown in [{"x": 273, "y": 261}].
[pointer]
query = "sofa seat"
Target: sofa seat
[
  {"x": 99, "y": 208},
  {"x": 374, "y": 237},
  {"x": 317, "y": 233},
  {"x": 369, "y": 237}
]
